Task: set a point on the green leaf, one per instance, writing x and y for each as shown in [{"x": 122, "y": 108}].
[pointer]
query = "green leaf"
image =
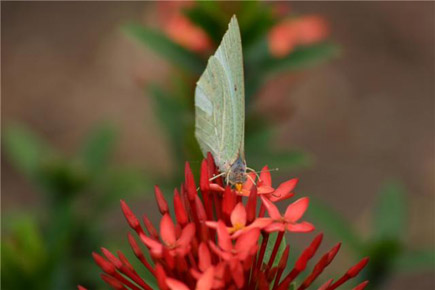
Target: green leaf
[
  {"x": 271, "y": 245},
  {"x": 161, "y": 44},
  {"x": 25, "y": 149},
  {"x": 25, "y": 258},
  {"x": 98, "y": 148},
  {"x": 123, "y": 183},
  {"x": 333, "y": 223},
  {"x": 389, "y": 221},
  {"x": 256, "y": 19},
  {"x": 416, "y": 261}
]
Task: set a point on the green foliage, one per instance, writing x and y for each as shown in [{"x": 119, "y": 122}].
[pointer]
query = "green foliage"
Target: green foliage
[
  {"x": 413, "y": 261},
  {"x": 385, "y": 246},
  {"x": 50, "y": 249},
  {"x": 206, "y": 14},
  {"x": 98, "y": 148},
  {"x": 159, "y": 43},
  {"x": 25, "y": 150},
  {"x": 389, "y": 219},
  {"x": 24, "y": 255}
]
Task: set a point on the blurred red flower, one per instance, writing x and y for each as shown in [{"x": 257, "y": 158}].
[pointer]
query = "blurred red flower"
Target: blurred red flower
[
  {"x": 290, "y": 33},
  {"x": 180, "y": 29}
]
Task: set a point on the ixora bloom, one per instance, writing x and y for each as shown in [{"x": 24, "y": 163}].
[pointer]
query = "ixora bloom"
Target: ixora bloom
[
  {"x": 290, "y": 33},
  {"x": 218, "y": 239}
]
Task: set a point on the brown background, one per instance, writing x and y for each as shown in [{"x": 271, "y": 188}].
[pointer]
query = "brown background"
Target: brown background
[{"x": 366, "y": 117}]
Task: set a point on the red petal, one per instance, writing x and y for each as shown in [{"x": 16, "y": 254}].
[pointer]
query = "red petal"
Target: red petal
[
  {"x": 303, "y": 227},
  {"x": 153, "y": 245},
  {"x": 112, "y": 258},
  {"x": 361, "y": 286},
  {"x": 180, "y": 211},
  {"x": 228, "y": 201},
  {"x": 129, "y": 215},
  {"x": 212, "y": 225},
  {"x": 150, "y": 228},
  {"x": 80, "y": 287},
  {"x": 275, "y": 227},
  {"x": 251, "y": 205},
  {"x": 286, "y": 187},
  {"x": 247, "y": 240},
  {"x": 161, "y": 277},
  {"x": 189, "y": 182},
  {"x": 200, "y": 211},
  {"x": 352, "y": 272},
  {"x": 113, "y": 282},
  {"x": 326, "y": 285},
  {"x": 204, "y": 182},
  {"x": 237, "y": 273},
  {"x": 333, "y": 252},
  {"x": 216, "y": 187},
  {"x": 167, "y": 230},
  {"x": 296, "y": 210},
  {"x": 175, "y": 284},
  {"x": 260, "y": 223},
  {"x": 308, "y": 253},
  {"x": 265, "y": 177},
  {"x": 271, "y": 209},
  {"x": 275, "y": 198},
  {"x": 161, "y": 201},
  {"x": 238, "y": 216},
  {"x": 224, "y": 239},
  {"x": 105, "y": 265},
  {"x": 204, "y": 257},
  {"x": 206, "y": 280},
  {"x": 186, "y": 235},
  {"x": 224, "y": 255},
  {"x": 249, "y": 182},
  {"x": 265, "y": 189}
]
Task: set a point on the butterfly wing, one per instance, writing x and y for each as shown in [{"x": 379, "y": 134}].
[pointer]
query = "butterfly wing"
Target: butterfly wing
[{"x": 220, "y": 102}]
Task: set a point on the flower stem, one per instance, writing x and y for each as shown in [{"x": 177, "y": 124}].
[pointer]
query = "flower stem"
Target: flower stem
[
  {"x": 275, "y": 249},
  {"x": 262, "y": 211},
  {"x": 262, "y": 250}
]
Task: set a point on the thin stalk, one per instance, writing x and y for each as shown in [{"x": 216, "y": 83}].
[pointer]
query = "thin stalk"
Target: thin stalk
[{"x": 275, "y": 249}]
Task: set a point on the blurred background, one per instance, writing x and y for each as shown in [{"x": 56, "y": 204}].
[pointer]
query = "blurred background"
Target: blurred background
[{"x": 97, "y": 105}]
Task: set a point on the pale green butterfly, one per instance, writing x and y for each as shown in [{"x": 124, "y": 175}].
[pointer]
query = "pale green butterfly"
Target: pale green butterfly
[{"x": 220, "y": 108}]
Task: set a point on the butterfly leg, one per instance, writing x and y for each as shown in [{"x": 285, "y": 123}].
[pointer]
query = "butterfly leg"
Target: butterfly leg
[
  {"x": 256, "y": 173},
  {"x": 253, "y": 181},
  {"x": 217, "y": 176}
]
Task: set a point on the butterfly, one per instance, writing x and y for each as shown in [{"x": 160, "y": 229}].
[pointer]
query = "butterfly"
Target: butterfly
[{"x": 220, "y": 108}]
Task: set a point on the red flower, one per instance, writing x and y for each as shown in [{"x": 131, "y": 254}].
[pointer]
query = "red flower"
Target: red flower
[
  {"x": 288, "y": 34},
  {"x": 289, "y": 221},
  {"x": 213, "y": 242},
  {"x": 176, "y": 246},
  {"x": 205, "y": 263},
  {"x": 264, "y": 186},
  {"x": 238, "y": 222},
  {"x": 180, "y": 29}
]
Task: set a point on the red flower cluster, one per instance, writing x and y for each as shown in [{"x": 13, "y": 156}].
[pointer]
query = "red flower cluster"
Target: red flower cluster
[{"x": 212, "y": 240}]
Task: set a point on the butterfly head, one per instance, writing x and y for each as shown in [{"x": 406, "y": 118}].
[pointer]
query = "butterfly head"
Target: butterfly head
[{"x": 237, "y": 174}]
